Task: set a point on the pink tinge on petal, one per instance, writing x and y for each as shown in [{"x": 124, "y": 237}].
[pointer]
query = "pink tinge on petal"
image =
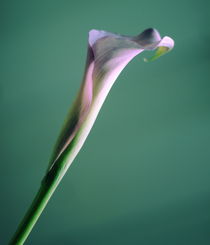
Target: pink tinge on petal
[
  {"x": 87, "y": 90},
  {"x": 95, "y": 35},
  {"x": 166, "y": 42}
]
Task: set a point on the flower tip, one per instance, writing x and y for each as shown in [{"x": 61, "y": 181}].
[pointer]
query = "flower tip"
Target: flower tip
[
  {"x": 164, "y": 46},
  {"x": 167, "y": 42}
]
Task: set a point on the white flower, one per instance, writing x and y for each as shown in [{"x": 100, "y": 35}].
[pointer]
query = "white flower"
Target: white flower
[{"x": 108, "y": 54}]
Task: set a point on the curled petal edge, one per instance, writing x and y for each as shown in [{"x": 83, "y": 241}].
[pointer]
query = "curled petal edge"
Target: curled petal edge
[{"x": 165, "y": 45}]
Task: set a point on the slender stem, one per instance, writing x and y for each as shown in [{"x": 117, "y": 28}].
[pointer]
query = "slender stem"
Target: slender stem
[{"x": 47, "y": 188}]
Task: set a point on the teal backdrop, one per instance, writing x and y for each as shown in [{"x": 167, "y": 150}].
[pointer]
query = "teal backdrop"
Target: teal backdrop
[{"x": 142, "y": 176}]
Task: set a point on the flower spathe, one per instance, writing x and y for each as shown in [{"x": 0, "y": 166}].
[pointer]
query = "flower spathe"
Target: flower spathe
[{"x": 108, "y": 54}]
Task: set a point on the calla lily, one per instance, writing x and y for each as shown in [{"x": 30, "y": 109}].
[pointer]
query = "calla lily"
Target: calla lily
[{"x": 108, "y": 54}]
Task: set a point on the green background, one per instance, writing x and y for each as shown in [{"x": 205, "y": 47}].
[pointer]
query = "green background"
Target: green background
[{"x": 142, "y": 176}]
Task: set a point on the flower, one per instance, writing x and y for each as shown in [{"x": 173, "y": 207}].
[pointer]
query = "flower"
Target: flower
[{"x": 108, "y": 54}]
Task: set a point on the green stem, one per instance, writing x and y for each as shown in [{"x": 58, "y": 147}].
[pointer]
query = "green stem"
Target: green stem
[{"x": 47, "y": 188}]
